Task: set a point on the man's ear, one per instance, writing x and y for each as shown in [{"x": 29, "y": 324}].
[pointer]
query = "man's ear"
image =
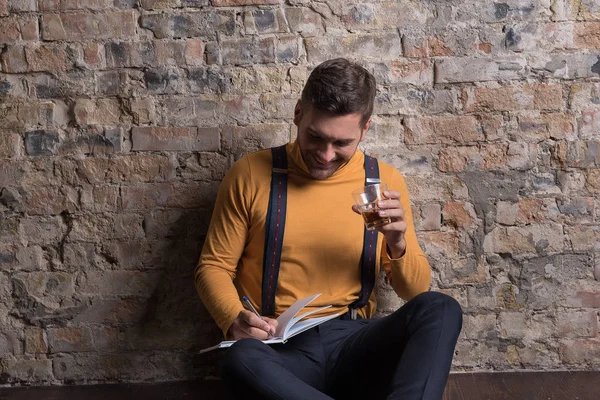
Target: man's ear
[
  {"x": 363, "y": 134},
  {"x": 298, "y": 113}
]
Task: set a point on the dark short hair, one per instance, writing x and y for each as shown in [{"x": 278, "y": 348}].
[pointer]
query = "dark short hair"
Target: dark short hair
[{"x": 341, "y": 87}]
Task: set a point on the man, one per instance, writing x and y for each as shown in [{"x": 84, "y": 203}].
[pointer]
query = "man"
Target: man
[{"x": 405, "y": 355}]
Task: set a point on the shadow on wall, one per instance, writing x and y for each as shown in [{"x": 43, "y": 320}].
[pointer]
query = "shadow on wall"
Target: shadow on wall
[{"x": 174, "y": 323}]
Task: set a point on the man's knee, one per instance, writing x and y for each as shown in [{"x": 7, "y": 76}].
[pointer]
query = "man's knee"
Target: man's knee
[
  {"x": 240, "y": 356},
  {"x": 440, "y": 305}
]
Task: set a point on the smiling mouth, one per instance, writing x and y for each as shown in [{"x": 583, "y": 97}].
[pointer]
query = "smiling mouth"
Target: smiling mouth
[{"x": 322, "y": 165}]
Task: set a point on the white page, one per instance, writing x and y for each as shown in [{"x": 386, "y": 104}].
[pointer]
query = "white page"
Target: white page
[
  {"x": 295, "y": 320},
  {"x": 302, "y": 326},
  {"x": 286, "y": 319}
]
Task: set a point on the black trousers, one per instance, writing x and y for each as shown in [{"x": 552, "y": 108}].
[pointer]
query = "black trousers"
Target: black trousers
[{"x": 405, "y": 355}]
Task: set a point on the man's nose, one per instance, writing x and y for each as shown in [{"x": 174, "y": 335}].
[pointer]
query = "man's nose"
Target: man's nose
[{"x": 326, "y": 153}]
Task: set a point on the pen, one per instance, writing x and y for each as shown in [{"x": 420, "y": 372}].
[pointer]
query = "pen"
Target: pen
[{"x": 251, "y": 308}]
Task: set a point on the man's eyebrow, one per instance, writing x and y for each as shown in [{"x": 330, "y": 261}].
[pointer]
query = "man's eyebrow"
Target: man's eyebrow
[
  {"x": 345, "y": 141},
  {"x": 319, "y": 134}
]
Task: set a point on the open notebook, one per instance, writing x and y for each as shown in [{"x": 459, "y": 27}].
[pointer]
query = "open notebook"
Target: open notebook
[{"x": 290, "y": 323}]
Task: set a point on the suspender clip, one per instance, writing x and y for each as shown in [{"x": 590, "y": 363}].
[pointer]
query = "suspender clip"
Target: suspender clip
[
  {"x": 280, "y": 170},
  {"x": 353, "y": 314},
  {"x": 373, "y": 180}
]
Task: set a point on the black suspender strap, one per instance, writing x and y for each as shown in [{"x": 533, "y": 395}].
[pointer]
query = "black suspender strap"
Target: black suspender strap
[
  {"x": 369, "y": 252},
  {"x": 274, "y": 228}
]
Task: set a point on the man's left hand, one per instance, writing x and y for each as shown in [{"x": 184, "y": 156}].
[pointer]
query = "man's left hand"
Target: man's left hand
[{"x": 393, "y": 231}]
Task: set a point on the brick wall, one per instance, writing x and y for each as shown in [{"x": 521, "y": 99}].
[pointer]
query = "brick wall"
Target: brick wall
[{"x": 118, "y": 119}]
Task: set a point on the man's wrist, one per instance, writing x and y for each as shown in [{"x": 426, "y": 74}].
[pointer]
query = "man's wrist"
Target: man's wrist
[{"x": 397, "y": 251}]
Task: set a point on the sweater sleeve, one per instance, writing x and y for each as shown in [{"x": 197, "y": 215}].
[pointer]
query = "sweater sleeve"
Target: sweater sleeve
[
  {"x": 410, "y": 274},
  {"x": 223, "y": 247}
]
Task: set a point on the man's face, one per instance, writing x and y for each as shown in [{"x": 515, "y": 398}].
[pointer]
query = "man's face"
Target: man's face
[{"x": 327, "y": 141}]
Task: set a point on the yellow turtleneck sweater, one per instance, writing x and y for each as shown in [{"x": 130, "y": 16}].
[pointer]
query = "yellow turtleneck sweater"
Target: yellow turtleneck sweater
[{"x": 322, "y": 242}]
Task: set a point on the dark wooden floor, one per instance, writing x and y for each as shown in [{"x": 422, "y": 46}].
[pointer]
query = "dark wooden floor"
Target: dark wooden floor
[{"x": 477, "y": 386}]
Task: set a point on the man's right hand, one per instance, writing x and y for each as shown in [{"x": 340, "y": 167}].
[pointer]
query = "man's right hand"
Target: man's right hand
[{"x": 249, "y": 325}]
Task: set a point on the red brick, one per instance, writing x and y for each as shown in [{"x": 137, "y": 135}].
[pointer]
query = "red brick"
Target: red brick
[
  {"x": 485, "y": 47},
  {"x": 585, "y": 299},
  {"x": 46, "y": 58},
  {"x": 590, "y": 124},
  {"x": 240, "y": 140},
  {"x": 584, "y": 237},
  {"x": 535, "y": 128},
  {"x": 194, "y": 52},
  {"x": 454, "y": 159},
  {"x": 514, "y": 98},
  {"x": 69, "y": 340},
  {"x": 426, "y": 47},
  {"x": 492, "y": 156},
  {"x": 302, "y": 20},
  {"x": 142, "y": 110},
  {"x": 175, "y": 139},
  {"x": 80, "y": 26},
  {"x": 100, "y": 199},
  {"x": 10, "y": 145},
  {"x": 587, "y": 35},
  {"x": 9, "y": 30},
  {"x": 67, "y": 5},
  {"x": 97, "y": 112},
  {"x": 35, "y": 341},
  {"x": 143, "y": 168},
  {"x": 417, "y": 72},
  {"x": 578, "y": 154},
  {"x": 247, "y": 51},
  {"x": 455, "y": 129},
  {"x": 19, "y": 6},
  {"x": 159, "y": 4},
  {"x": 459, "y": 214},
  {"x": 369, "y": 46},
  {"x": 582, "y": 351},
  {"x": 230, "y": 3},
  {"x": 530, "y": 210},
  {"x": 3, "y": 8},
  {"x": 89, "y": 170},
  {"x": 13, "y": 59},
  {"x": 51, "y": 200},
  {"x": 49, "y": 5},
  {"x": 10, "y": 173},
  {"x": 592, "y": 181},
  {"x": 446, "y": 244},
  {"x": 574, "y": 324},
  {"x": 32, "y": 113},
  {"x": 93, "y": 54}
]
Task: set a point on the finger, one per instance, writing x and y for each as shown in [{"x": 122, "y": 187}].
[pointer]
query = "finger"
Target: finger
[
  {"x": 254, "y": 321},
  {"x": 396, "y": 214},
  {"x": 355, "y": 209},
  {"x": 391, "y": 194},
  {"x": 256, "y": 333},
  {"x": 273, "y": 323},
  {"x": 390, "y": 204}
]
